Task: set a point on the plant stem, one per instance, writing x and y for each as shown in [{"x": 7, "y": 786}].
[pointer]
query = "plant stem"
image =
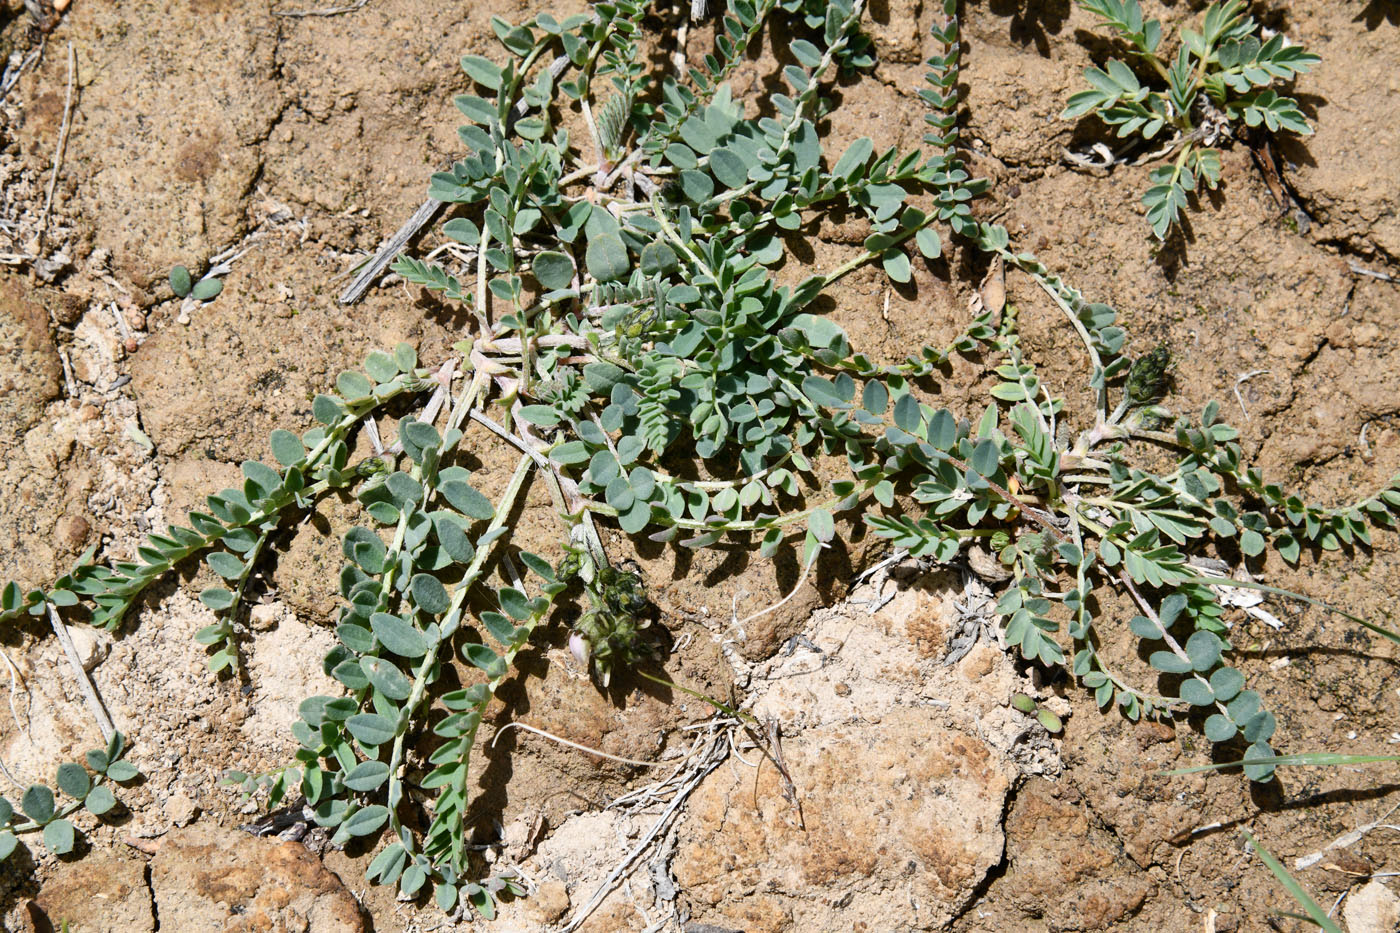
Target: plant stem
[{"x": 452, "y": 620}]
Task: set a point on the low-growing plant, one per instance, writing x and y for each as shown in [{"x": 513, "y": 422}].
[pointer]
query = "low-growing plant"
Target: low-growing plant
[
  {"x": 614, "y": 233},
  {"x": 89, "y": 788},
  {"x": 206, "y": 288},
  {"x": 1047, "y": 719},
  {"x": 1218, "y": 76}
]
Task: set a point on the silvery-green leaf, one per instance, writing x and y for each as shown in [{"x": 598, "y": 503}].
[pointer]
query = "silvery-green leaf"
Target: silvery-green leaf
[
  {"x": 1197, "y": 693},
  {"x": 486, "y": 659},
  {"x": 100, "y": 800},
  {"x": 353, "y": 385},
  {"x": 398, "y": 636},
  {"x": 366, "y": 820},
  {"x": 429, "y": 594},
  {"x": 1226, "y": 683},
  {"x": 1219, "y": 728},
  {"x": 467, "y": 500},
  {"x": 381, "y": 366},
  {"x": 1203, "y": 648},
  {"x": 287, "y": 448},
  {"x": 367, "y": 776},
  {"x": 225, "y": 565},
  {"x": 370, "y": 728},
  {"x": 207, "y": 289},
  {"x": 553, "y": 269},
  {"x": 73, "y": 780},
  {"x": 216, "y": 598},
  {"x": 606, "y": 258},
  {"x": 37, "y": 803},
  {"x": 180, "y": 281},
  {"x": 59, "y": 837},
  {"x": 1168, "y": 663}
]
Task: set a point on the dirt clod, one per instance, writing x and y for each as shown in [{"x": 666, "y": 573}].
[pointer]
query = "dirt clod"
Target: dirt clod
[
  {"x": 1373, "y": 908},
  {"x": 104, "y": 893},
  {"x": 209, "y": 878}
]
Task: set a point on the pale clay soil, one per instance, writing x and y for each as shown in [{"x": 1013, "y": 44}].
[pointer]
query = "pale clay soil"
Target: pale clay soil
[{"x": 924, "y": 801}]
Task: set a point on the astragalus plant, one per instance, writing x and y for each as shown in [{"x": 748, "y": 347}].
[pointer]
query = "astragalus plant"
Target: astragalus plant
[{"x": 613, "y": 233}]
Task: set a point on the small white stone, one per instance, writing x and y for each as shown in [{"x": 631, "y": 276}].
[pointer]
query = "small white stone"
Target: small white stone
[
  {"x": 1372, "y": 909},
  {"x": 92, "y": 646},
  {"x": 263, "y": 616}
]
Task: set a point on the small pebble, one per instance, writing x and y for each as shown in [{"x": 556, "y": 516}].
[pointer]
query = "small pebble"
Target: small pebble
[
  {"x": 263, "y": 617},
  {"x": 180, "y": 809},
  {"x": 90, "y": 645},
  {"x": 73, "y": 531}
]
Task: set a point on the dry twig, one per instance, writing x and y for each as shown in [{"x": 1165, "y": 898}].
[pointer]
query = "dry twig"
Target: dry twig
[
  {"x": 62, "y": 142},
  {"x": 708, "y": 761},
  {"x": 326, "y": 11},
  {"x": 94, "y": 702}
]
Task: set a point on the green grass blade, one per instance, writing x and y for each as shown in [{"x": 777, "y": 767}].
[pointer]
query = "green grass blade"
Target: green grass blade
[
  {"x": 1277, "y": 591},
  {"x": 1313, "y": 759},
  {"x": 1295, "y": 890}
]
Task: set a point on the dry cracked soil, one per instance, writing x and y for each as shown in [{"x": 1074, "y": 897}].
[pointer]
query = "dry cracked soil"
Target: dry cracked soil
[{"x": 922, "y": 800}]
